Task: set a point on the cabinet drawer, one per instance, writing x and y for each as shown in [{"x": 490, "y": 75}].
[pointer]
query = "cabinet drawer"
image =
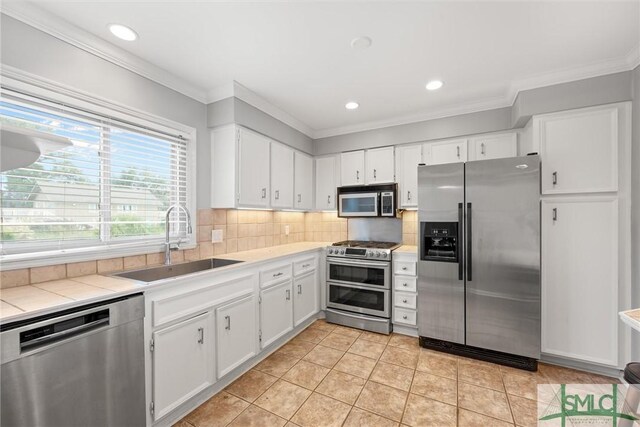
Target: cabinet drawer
[
  {"x": 404, "y": 267},
  {"x": 304, "y": 266},
  {"x": 405, "y": 283},
  {"x": 405, "y": 300},
  {"x": 403, "y": 315},
  {"x": 275, "y": 275}
]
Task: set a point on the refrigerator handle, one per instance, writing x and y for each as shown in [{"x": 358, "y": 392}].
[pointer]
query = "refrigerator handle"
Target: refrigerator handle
[
  {"x": 469, "y": 242},
  {"x": 460, "y": 252}
]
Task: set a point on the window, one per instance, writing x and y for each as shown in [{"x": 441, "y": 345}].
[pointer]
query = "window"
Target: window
[{"x": 111, "y": 187}]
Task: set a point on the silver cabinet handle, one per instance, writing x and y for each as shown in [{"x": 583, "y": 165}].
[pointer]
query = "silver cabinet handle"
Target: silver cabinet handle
[
  {"x": 458, "y": 150},
  {"x": 200, "y": 335},
  {"x": 404, "y": 301},
  {"x": 357, "y": 175},
  {"x": 555, "y": 214},
  {"x": 264, "y": 193},
  {"x": 299, "y": 289},
  {"x": 554, "y": 178},
  {"x": 299, "y": 198},
  {"x": 375, "y": 172},
  {"x": 277, "y": 194},
  {"x": 278, "y": 275},
  {"x": 288, "y": 294},
  {"x": 329, "y": 199},
  {"x": 482, "y": 148},
  {"x": 228, "y": 319},
  {"x": 404, "y": 317},
  {"x": 405, "y": 284},
  {"x": 305, "y": 265},
  {"x": 409, "y": 195},
  {"x": 404, "y": 268}
]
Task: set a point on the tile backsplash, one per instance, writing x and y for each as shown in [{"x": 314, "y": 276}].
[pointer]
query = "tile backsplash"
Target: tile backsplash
[{"x": 242, "y": 230}]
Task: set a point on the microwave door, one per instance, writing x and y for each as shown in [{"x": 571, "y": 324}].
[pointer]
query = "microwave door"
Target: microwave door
[{"x": 358, "y": 204}]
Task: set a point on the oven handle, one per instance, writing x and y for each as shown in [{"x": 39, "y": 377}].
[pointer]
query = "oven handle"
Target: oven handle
[
  {"x": 363, "y": 287},
  {"x": 347, "y": 261},
  {"x": 355, "y": 316}
]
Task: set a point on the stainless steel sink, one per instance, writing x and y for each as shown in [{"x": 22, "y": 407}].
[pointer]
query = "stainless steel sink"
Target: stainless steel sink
[{"x": 153, "y": 274}]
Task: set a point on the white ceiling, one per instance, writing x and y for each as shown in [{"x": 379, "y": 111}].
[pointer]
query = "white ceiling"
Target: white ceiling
[{"x": 297, "y": 55}]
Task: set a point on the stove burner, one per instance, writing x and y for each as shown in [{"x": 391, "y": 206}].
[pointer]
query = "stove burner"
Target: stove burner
[{"x": 366, "y": 244}]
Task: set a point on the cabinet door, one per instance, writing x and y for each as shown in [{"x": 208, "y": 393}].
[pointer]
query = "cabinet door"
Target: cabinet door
[
  {"x": 253, "y": 173},
  {"x": 305, "y": 303},
  {"x": 281, "y": 176},
  {"x": 352, "y": 168},
  {"x": 438, "y": 153},
  {"x": 493, "y": 146},
  {"x": 326, "y": 183},
  {"x": 276, "y": 312},
  {"x": 380, "y": 165},
  {"x": 303, "y": 183},
  {"x": 579, "y": 151},
  {"x": 182, "y": 362},
  {"x": 407, "y": 160},
  {"x": 580, "y": 279},
  {"x": 235, "y": 334}
]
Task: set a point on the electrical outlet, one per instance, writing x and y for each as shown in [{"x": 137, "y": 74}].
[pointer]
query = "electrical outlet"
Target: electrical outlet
[
  {"x": 286, "y": 230},
  {"x": 216, "y": 236}
]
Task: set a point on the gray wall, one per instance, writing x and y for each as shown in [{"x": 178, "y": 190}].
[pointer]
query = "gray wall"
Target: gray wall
[
  {"x": 36, "y": 52},
  {"x": 635, "y": 205},
  {"x": 582, "y": 93},
  {"x": 235, "y": 110}
]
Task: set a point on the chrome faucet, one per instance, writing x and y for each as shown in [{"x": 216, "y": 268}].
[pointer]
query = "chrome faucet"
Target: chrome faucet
[{"x": 167, "y": 248}]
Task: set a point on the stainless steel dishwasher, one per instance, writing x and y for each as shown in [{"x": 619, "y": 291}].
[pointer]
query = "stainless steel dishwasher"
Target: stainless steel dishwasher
[{"x": 79, "y": 367}]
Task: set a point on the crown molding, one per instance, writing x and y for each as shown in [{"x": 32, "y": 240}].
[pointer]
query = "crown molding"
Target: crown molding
[{"x": 69, "y": 33}]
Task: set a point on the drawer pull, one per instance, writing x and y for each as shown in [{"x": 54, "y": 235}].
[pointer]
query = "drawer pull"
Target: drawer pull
[
  {"x": 405, "y": 301},
  {"x": 405, "y": 317},
  {"x": 278, "y": 275},
  {"x": 404, "y": 268},
  {"x": 405, "y": 284},
  {"x": 305, "y": 265}
]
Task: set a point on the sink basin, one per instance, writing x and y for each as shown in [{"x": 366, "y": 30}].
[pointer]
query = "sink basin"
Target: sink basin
[{"x": 166, "y": 271}]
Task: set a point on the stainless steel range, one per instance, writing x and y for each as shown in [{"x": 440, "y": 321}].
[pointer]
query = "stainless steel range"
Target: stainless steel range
[{"x": 359, "y": 284}]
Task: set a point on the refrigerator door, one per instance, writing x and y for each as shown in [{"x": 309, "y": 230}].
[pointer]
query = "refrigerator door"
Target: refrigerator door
[
  {"x": 440, "y": 284},
  {"x": 503, "y": 255}
]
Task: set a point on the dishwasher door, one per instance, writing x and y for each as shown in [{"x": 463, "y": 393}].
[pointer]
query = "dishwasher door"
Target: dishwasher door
[{"x": 80, "y": 367}]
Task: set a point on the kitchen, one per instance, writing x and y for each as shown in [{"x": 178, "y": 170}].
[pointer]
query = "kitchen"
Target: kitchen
[{"x": 263, "y": 219}]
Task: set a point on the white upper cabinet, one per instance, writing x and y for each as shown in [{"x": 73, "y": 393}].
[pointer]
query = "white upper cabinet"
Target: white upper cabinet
[
  {"x": 579, "y": 150},
  {"x": 407, "y": 159},
  {"x": 451, "y": 151},
  {"x": 493, "y": 146},
  {"x": 253, "y": 173},
  {"x": 352, "y": 168},
  {"x": 580, "y": 278},
  {"x": 281, "y": 176},
  {"x": 303, "y": 182},
  {"x": 379, "y": 165},
  {"x": 326, "y": 183}
]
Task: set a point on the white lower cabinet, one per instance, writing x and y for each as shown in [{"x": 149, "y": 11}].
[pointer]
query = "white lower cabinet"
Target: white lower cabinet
[
  {"x": 305, "y": 302},
  {"x": 182, "y": 361},
  {"x": 580, "y": 278},
  {"x": 405, "y": 296},
  {"x": 236, "y": 334},
  {"x": 276, "y": 312}
]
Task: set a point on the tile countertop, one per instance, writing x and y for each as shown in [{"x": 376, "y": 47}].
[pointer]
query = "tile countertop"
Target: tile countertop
[
  {"x": 631, "y": 318},
  {"x": 406, "y": 249},
  {"x": 23, "y": 302}
]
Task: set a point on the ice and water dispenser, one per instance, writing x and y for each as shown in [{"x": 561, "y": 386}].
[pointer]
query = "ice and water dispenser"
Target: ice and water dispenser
[{"x": 439, "y": 241}]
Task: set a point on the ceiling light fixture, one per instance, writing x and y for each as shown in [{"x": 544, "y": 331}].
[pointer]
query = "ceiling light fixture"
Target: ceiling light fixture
[
  {"x": 434, "y": 84},
  {"x": 361, "y": 43},
  {"x": 123, "y": 32},
  {"x": 351, "y": 105}
]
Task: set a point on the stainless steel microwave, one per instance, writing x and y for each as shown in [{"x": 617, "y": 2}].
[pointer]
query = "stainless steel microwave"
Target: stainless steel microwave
[{"x": 367, "y": 201}]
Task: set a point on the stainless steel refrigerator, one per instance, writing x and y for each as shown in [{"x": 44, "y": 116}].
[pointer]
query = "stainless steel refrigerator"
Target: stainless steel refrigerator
[{"x": 479, "y": 259}]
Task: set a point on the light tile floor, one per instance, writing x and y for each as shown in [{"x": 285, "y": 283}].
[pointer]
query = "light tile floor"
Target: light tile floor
[{"x": 331, "y": 375}]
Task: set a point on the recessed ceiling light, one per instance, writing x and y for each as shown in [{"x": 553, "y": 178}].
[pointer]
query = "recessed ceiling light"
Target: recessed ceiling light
[
  {"x": 123, "y": 32},
  {"x": 361, "y": 43},
  {"x": 351, "y": 105},
  {"x": 434, "y": 84}
]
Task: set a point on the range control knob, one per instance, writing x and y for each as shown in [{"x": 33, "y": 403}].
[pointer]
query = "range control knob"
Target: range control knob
[
  {"x": 378, "y": 254},
  {"x": 330, "y": 251},
  {"x": 370, "y": 253},
  {"x": 341, "y": 251},
  {"x": 384, "y": 255}
]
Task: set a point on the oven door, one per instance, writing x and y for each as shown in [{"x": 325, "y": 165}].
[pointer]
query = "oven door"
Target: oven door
[
  {"x": 358, "y": 204},
  {"x": 359, "y": 299},
  {"x": 355, "y": 272}
]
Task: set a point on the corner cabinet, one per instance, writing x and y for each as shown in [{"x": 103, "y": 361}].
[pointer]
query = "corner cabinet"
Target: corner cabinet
[
  {"x": 181, "y": 362},
  {"x": 580, "y": 278},
  {"x": 407, "y": 159},
  {"x": 326, "y": 182},
  {"x": 451, "y": 151}
]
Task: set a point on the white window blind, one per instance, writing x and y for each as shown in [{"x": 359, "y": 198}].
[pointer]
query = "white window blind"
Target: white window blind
[{"x": 112, "y": 187}]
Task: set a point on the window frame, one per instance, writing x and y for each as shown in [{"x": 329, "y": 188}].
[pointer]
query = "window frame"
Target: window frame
[{"x": 61, "y": 94}]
